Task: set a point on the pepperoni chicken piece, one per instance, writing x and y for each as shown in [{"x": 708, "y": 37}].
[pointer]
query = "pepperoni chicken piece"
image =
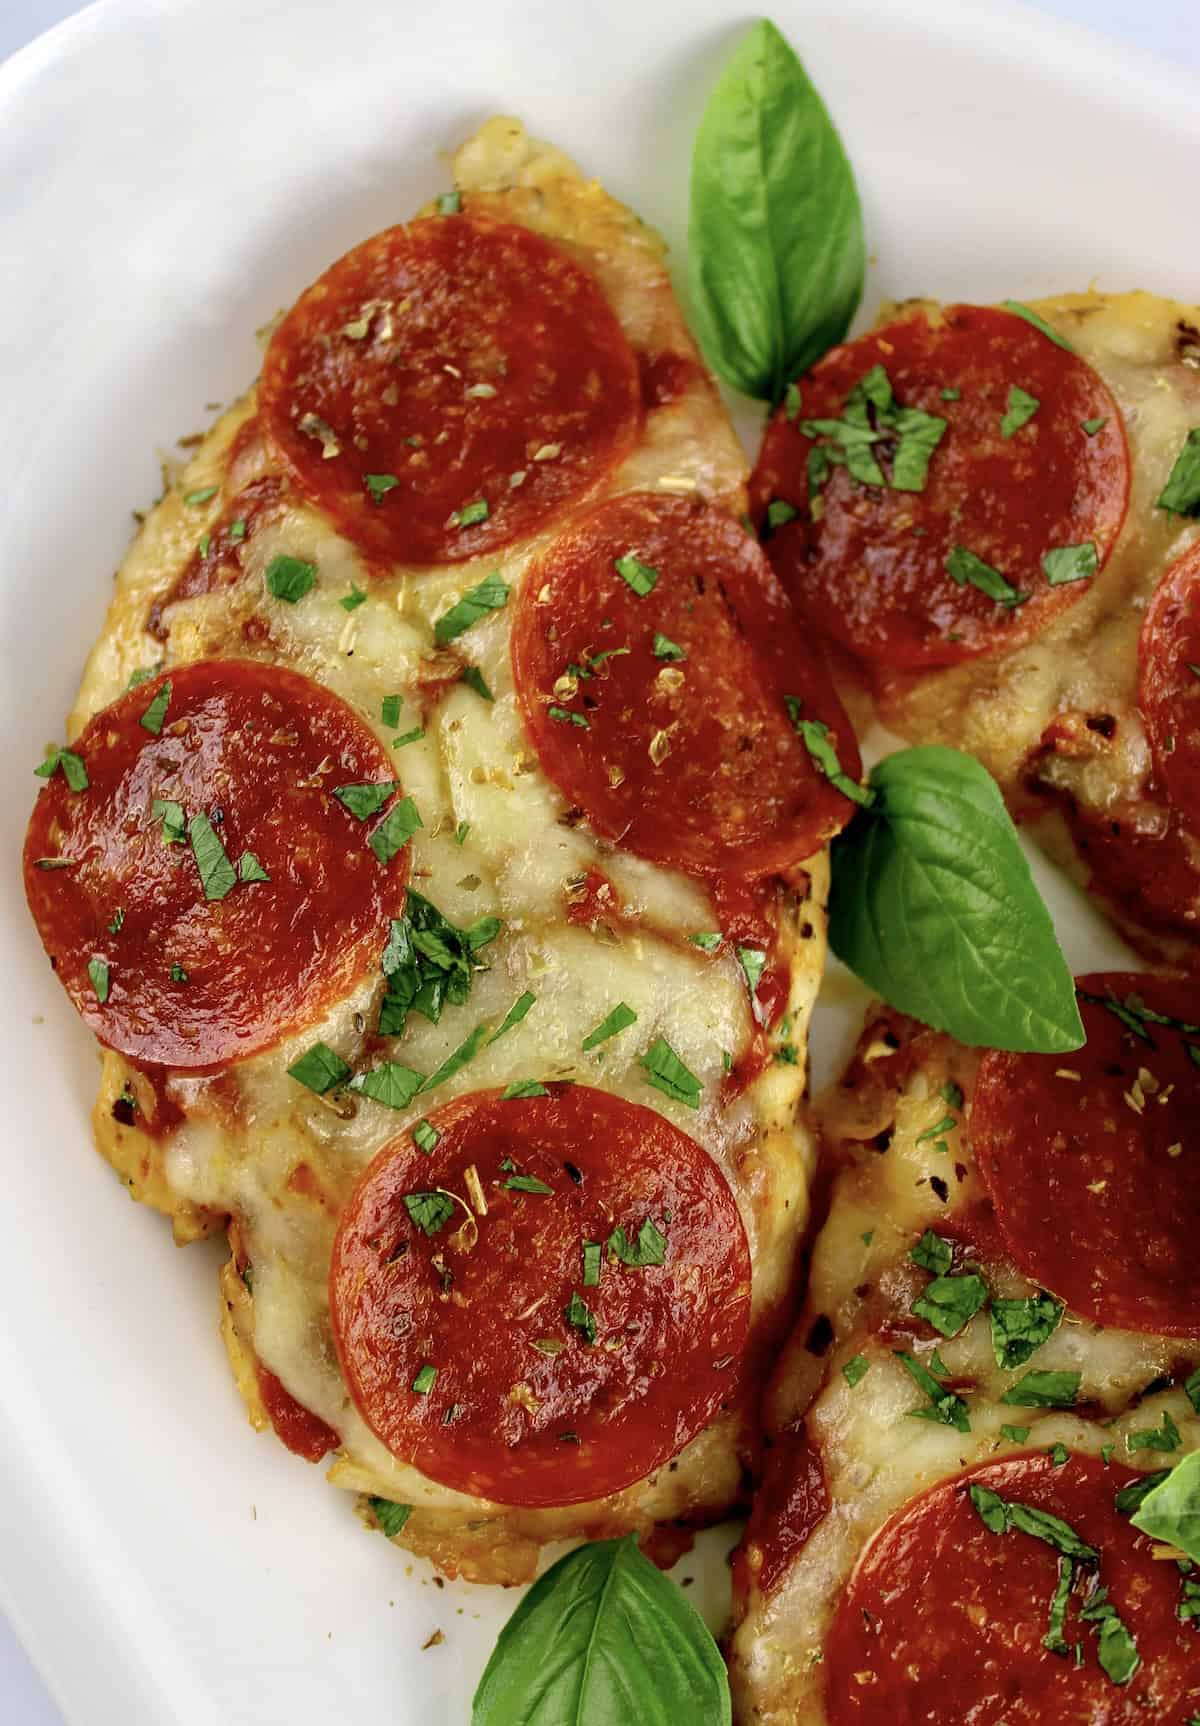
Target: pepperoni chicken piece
[
  {"x": 549, "y": 1305},
  {"x": 1093, "y": 1162},
  {"x": 448, "y": 386},
  {"x": 948, "y": 1615},
  {"x": 1169, "y": 684},
  {"x": 660, "y": 670},
  {"x": 916, "y": 546},
  {"x": 206, "y": 892}
]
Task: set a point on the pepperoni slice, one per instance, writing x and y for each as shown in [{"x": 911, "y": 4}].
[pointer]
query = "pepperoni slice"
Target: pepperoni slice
[
  {"x": 657, "y": 701},
  {"x": 869, "y": 562},
  {"x": 304, "y": 1433},
  {"x": 474, "y": 1339},
  {"x": 448, "y": 386},
  {"x": 1092, "y": 1160},
  {"x": 191, "y": 980},
  {"x": 944, "y": 1620},
  {"x": 1169, "y": 684}
]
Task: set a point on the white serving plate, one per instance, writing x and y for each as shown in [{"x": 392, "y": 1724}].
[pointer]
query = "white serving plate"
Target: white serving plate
[{"x": 170, "y": 174}]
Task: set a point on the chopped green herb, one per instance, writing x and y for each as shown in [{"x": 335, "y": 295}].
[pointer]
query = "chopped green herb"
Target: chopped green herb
[
  {"x": 1054, "y": 1640},
  {"x": 779, "y": 512},
  {"x": 1117, "y": 1653},
  {"x": 1164, "y": 1436},
  {"x": 949, "y": 1303},
  {"x": 429, "y": 1211},
  {"x": 566, "y": 717},
  {"x": 192, "y": 498},
  {"x": 69, "y": 764},
  {"x": 791, "y": 401},
  {"x": 950, "y": 395},
  {"x": 650, "y": 1248},
  {"x": 708, "y": 940},
  {"x": 474, "y": 679},
  {"x": 963, "y": 567},
  {"x": 379, "y": 484},
  {"x": 470, "y": 513},
  {"x": 425, "y": 1379},
  {"x": 1015, "y": 1434},
  {"x": 667, "y": 1073},
  {"x": 1191, "y": 1389},
  {"x": 143, "y": 674},
  {"x": 352, "y": 600},
  {"x": 389, "y": 710},
  {"x": 952, "y": 1094},
  {"x": 178, "y": 974},
  {"x": 592, "y": 1264},
  {"x": 460, "y": 833},
  {"x": 237, "y": 531},
  {"x": 389, "y": 1516},
  {"x": 1129, "y": 1497},
  {"x": 174, "y": 821},
  {"x": 390, "y": 1083},
  {"x": 395, "y": 830},
  {"x": 428, "y": 963},
  {"x": 363, "y": 801},
  {"x": 1070, "y": 563},
  {"x": 665, "y": 648},
  {"x": 455, "y": 1061},
  {"x": 933, "y": 1253},
  {"x": 117, "y": 921},
  {"x": 514, "y": 1015},
  {"x": 577, "y": 1313},
  {"x": 528, "y": 1183},
  {"x": 640, "y": 576},
  {"x": 449, "y": 204},
  {"x": 856, "y": 1369},
  {"x": 814, "y": 734},
  {"x": 1044, "y": 1390},
  {"x": 1019, "y": 1327},
  {"x": 1058, "y": 1454},
  {"x": 618, "y": 1020},
  {"x": 1181, "y": 494},
  {"x": 413, "y": 736},
  {"x": 1021, "y": 409},
  {"x": 947, "y": 1124},
  {"x": 1091, "y": 427},
  {"x": 290, "y": 578},
  {"x": 491, "y": 594},
  {"x": 1031, "y": 317},
  {"x": 320, "y": 1069},
  {"x": 203, "y": 544},
  {"x": 217, "y": 874},
  {"x": 250, "y": 869},
  {"x": 425, "y": 1137},
  {"x": 944, "y": 1406},
  {"x": 1171, "y": 1513},
  {"x": 152, "y": 719},
  {"x": 1003, "y": 1515},
  {"x": 753, "y": 961},
  {"x": 99, "y": 973}
]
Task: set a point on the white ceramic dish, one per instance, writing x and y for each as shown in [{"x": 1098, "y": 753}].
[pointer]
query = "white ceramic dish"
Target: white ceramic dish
[{"x": 169, "y": 175}]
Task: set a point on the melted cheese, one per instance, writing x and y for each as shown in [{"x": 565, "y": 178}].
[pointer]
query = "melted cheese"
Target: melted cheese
[
  {"x": 496, "y": 840},
  {"x": 875, "y": 1457}
]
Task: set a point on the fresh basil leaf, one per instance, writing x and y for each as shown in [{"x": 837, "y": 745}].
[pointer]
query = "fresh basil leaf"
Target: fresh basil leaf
[
  {"x": 603, "y": 1638},
  {"x": 578, "y": 1314},
  {"x": 320, "y": 1068},
  {"x": 70, "y": 765},
  {"x": 152, "y": 719},
  {"x": 708, "y": 940},
  {"x": 1181, "y": 494},
  {"x": 389, "y": 710},
  {"x": 592, "y": 1264},
  {"x": 1117, "y": 1653},
  {"x": 425, "y": 1137},
  {"x": 390, "y": 1516},
  {"x": 1002, "y": 1515},
  {"x": 650, "y": 1248},
  {"x": 217, "y": 874},
  {"x": 664, "y": 648},
  {"x": 250, "y": 869},
  {"x": 174, "y": 821},
  {"x": 966, "y": 569},
  {"x": 1015, "y": 1434},
  {"x": 1129, "y": 1497},
  {"x": 352, "y": 600},
  {"x": 98, "y": 971},
  {"x": 425, "y": 1379},
  {"x": 379, "y": 484},
  {"x": 617, "y": 1021},
  {"x": 1054, "y": 1639},
  {"x": 1171, "y": 1512},
  {"x": 1191, "y": 1389},
  {"x": 428, "y": 963},
  {"x": 1020, "y": 310},
  {"x": 514, "y": 1015},
  {"x": 933, "y": 1253},
  {"x": 290, "y": 578},
  {"x": 1044, "y": 1390},
  {"x": 815, "y": 737},
  {"x": 856, "y": 1369},
  {"x": 1066, "y": 563},
  {"x": 775, "y": 233},
  {"x": 1021, "y": 409},
  {"x": 474, "y": 679},
  {"x": 667, "y": 1073},
  {"x": 636, "y": 574},
  {"x": 491, "y": 594},
  {"x": 1021, "y": 1326},
  {"x": 470, "y": 514},
  {"x": 192, "y": 498},
  {"x": 429, "y": 1211},
  {"x": 950, "y": 1303},
  {"x": 522, "y": 1088},
  {"x": 363, "y": 801},
  {"x": 934, "y": 907},
  {"x": 390, "y": 1084},
  {"x": 395, "y": 830},
  {"x": 466, "y": 1051},
  {"x": 945, "y": 1407},
  {"x": 1164, "y": 1436}
]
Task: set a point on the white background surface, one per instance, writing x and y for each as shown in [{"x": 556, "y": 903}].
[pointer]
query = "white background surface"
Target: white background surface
[{"x": 1166, "y": 26}]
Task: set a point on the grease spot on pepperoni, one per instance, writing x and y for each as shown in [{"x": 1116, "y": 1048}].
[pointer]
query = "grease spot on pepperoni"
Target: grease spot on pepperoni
[
  {"x": 1096, "y": 1180},
  {"x": 259, "y": 750},
  {"x": 304, "y": 1433},
  {"x": 473, "y": 363},
  {"x": 691, "y": 762},
  {"x": 1169, "y": 684},
  {"x": 943, "y": 1621},
  {"x": 869, "y": 567},
  {"x": 540, "y": 1416}
]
